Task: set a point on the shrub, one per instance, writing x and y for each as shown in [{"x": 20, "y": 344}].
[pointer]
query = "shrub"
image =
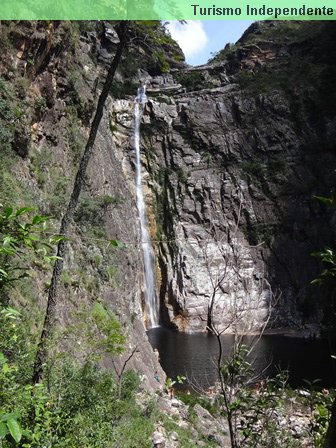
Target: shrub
[
  {"x": 90, "y": 212},
  {"x": 192, "y": 81},
  {"x": 121, "y": 89},
  {"x": 79, "y": 405},
  {"x": 40, "y": 106}
]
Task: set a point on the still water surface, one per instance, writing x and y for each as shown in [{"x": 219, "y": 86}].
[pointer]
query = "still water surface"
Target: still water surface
[{"x": 194, "y": 356}]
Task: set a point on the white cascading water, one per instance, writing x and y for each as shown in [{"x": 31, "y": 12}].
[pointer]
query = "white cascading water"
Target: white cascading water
[{"x": 151, "y": 299}]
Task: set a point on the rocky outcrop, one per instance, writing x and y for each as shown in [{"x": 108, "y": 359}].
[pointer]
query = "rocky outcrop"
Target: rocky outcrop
[{"x": 198, "y": 426}]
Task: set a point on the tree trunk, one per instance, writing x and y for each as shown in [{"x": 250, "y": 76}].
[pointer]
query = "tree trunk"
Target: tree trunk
[
  {"x": 330, "y": 440},
  {"x": 41, "y": 355},
  {"x": 210, "y": 312}
]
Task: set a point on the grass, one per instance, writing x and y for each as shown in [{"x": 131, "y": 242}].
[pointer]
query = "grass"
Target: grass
[
  {"x": 40, "y": 165},
  {"x": 11, "y": 189},
  {"x": 191, "y": 399},
  {"x": 76, "y": 139},
  {"x": 90, "y": 212}
]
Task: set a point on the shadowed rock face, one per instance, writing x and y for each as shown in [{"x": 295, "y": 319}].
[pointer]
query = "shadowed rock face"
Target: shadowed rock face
[{"x": 232, "y": 171}]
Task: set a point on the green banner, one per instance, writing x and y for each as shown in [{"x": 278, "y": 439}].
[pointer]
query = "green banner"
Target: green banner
[{"x": 167, "y": 10}]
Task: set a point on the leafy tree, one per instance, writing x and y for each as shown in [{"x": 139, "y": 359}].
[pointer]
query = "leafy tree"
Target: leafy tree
[
  {"x": 19, "y": 232},
  {"x": 79, "y": 405},
  {"x": 113, "y": 340}
]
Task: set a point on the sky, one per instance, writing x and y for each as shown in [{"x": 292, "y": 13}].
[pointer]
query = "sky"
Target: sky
[{"x": 198, "y": 39}]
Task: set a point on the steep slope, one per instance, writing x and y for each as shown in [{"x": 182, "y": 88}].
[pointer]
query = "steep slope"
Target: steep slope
[{"x": 51, "y": 74}]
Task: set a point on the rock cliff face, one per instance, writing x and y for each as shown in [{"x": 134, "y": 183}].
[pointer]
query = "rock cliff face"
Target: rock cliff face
[
  {"x": 233, "y": 153},
  {"x": 233, "y": 165}
]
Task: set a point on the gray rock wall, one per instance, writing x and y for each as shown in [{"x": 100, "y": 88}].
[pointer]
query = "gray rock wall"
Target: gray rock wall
[{"x": 231, "y": 180}]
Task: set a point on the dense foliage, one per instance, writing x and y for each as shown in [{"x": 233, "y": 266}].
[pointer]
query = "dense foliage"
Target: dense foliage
[{"x": 77, "y": 404}]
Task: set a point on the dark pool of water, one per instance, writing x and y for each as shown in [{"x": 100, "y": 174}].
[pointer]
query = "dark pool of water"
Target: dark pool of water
[{"x": 194, "y": 356}]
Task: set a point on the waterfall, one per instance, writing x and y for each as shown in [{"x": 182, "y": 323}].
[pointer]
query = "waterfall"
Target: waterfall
[{"x": 151, "y": 299}]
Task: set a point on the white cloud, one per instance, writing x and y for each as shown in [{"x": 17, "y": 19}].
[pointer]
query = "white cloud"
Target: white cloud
[{"x": 191, "y": 36}]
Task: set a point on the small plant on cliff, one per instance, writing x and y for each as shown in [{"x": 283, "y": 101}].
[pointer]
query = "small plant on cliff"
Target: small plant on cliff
[
  {"x": 170, "y": 383},
  {"x": 328, "y": 257},
  {"x": 112, "y": 339}
]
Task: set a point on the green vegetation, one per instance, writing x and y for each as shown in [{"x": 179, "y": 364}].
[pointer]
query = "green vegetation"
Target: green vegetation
[
  {"x": 170, "y": 383},
  {"x": 182, "y": 175},
  {"x": 224, "y": 54},
  {"x": 76, "y": 139},
  {"x": 79, "y": 99},
  {"x": 58, "y": 194},
  {"x": 40, "y": 165},
  {"x": 193, "y": 81},
  {"x": 186, "y": 436},
  {"x": 260, "y": 169},
  {"x": 13, "y": 121},
  {"x": 156, "y": 31},
  {"x": 40, "y": 106},
  {"x": 294, "y": 73},
  {"x": 257, "y": 233},
  {"x": 326, "y": 280},
  {"x": 255, "y": 409},
  {"x": 160, "y": 61},
  {"x": 308, "y": 64},
  {"x": 6, "y": 117},
  {"x": 90, "y": 212},
  {"x": 53, "y": 184},
  {"x": 253, "y": 167},
  {"x": 18, "y": 233},
  {"x": 328, "y": 255},
  {"x": 121, "y": 89},
  {"x": 265, "y": 170},
  {"x": 9, "y": 188},
  {"x": 78, "y": 404},
  {"x": 282, "y": 77},
  {"x": 293, "y": 32},
  {"x": 165, "y": 52}
]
